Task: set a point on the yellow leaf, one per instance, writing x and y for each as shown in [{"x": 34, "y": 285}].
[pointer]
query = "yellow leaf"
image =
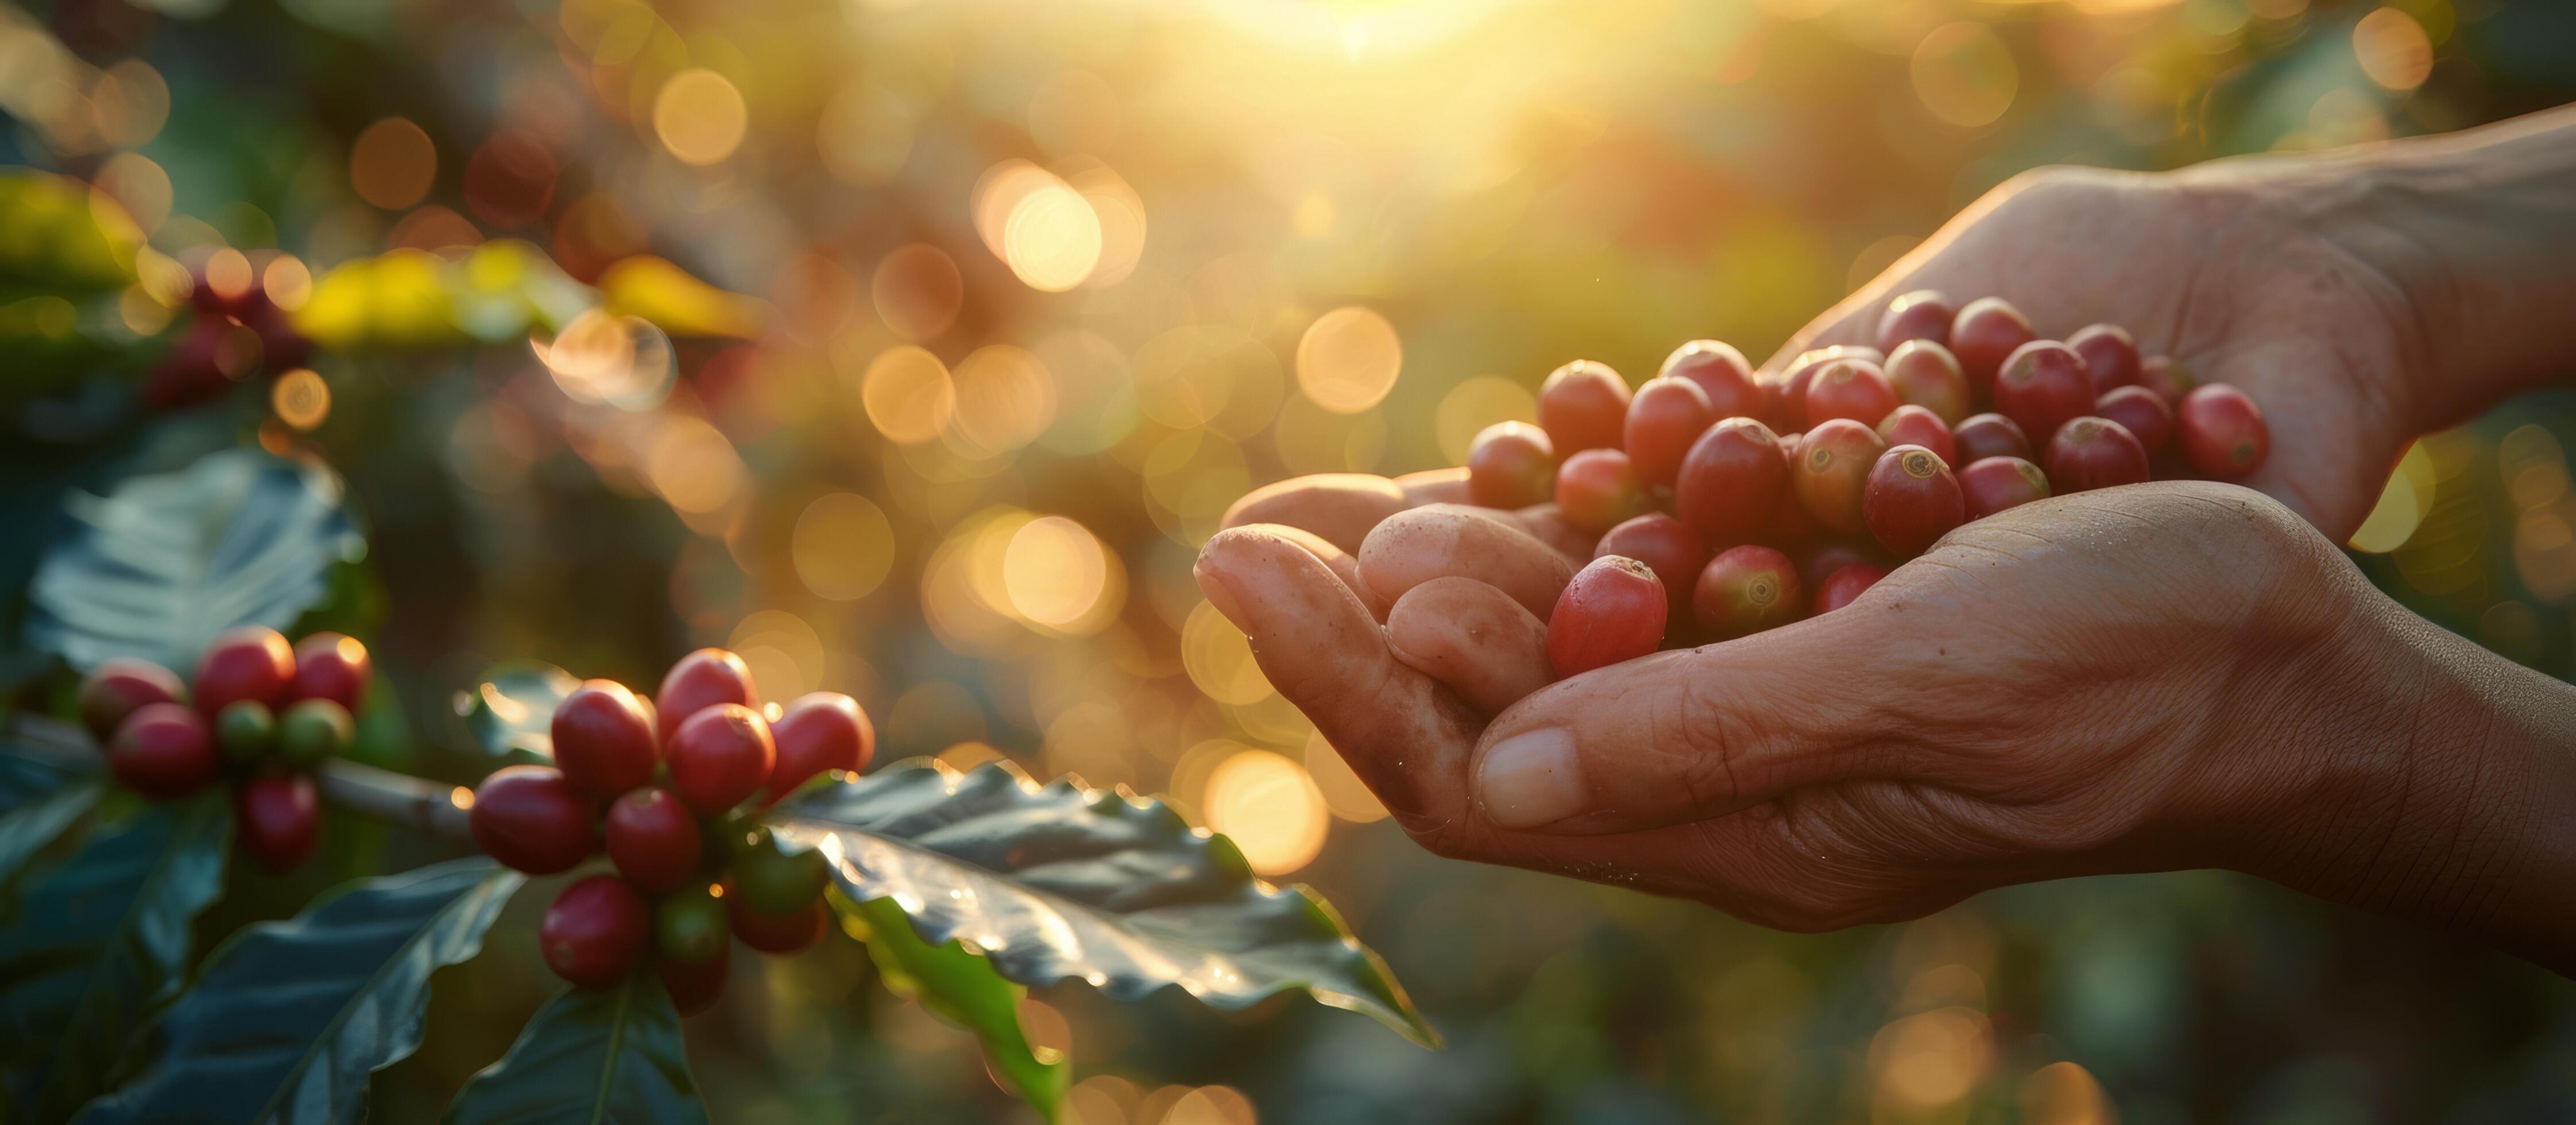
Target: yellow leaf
[{"x": 677, "y": 303}]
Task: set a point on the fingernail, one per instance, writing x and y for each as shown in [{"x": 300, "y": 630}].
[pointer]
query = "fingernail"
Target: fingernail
[
  {"x": 1531, "y": 779},
  {"x": 1219, "y": 592}
]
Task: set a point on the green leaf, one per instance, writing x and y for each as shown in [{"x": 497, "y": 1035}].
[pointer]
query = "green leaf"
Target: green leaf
[
  {"x": 161, "y": 565},
  {"x": 27, "y": 832},
  {"x": 591, "y": 1055},
  {"x": 963, "y": 988},
  {"x": 102, "y": 939},
  {"x": 290, "y": 1019},
  {"x": 511, "y": 710},
  {"x": 1063, "y": 881}
]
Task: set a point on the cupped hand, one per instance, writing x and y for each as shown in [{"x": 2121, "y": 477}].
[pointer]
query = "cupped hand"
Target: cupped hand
[
  {"x": 2116, "y": 681},
  {"x": 2216, "y": 267}
]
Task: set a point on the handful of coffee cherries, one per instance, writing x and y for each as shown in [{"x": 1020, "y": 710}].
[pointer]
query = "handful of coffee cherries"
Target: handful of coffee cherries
[{"x": 1734, "y": 502}]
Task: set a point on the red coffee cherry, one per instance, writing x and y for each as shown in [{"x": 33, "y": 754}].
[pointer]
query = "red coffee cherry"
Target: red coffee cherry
[
  {"x": 528, "y": 818},
  {"x": 1790, "y": 528},
  {"x": 1665, "y": 417},
  {"x": 2110, "y": 355},
  {"x": 1820, "y": 565},
  {"x": 653, "y": 839},
  {"x": 1583, "y": 405},
  {"x": 1731, "y": 481},
  {"x": 164, "y": 751},
  {"x": 1912, "y": 500},
  {"x": 820, "y": 731},
  {"x": 603, "y": 739},
  {"x": 775, "y": 933},
  {"x": 1668, "y": 547},
  {"x": 1914, "y": 425},
  {"x": 2223, "y": 432},
  {"x": 1996, "y": 483},
  {"x": 595, "y": 933},
  {"x": 2091, "y": 453},
  {"x": 1722, "y": 374},
  {"x": 1832, "y": 469},
  {"x": 2042, "y": 385},
  {"x": 1745, "y": 590},
  {"x": 1801, "y": 374},
  {"x": 1989, "y": 435},
  {"x": 1841, "y": 587},
  {"x": 1849, "y": 388},
  {"x": 1511, "y": 465},
  {"x": 1598, "y": 488},
  {"x": 701, "y": 680},
  {"x": 695, "y": 986},
  {"x": 1986, "y": 331},
  {"x": 277, "y": 820},
  {"x": 2168, "y": 378},
  {"x": 720, "y": 756},
  {"x": 2147, "y": 417},
  {"x": 334, "y": 667},
  {"x": 118, "y": 687},
  {"x": 251, "y": 662},
  {"x": 1924, "y": 314},
  {"x": 1925, "y": 374},
  {"x": 1613, "y": 610}
]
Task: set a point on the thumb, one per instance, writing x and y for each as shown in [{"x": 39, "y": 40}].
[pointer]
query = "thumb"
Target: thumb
[{"x": 1686, "y": 735}]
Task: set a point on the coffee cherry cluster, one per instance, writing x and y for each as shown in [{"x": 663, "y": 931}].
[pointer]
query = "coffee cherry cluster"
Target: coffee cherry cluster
[
  {"x": 1735, "y": 502},
  {"x": 673, "y": 789},
  {"x": 237, "y": 332},
  {"x": 265, "y": 717}
]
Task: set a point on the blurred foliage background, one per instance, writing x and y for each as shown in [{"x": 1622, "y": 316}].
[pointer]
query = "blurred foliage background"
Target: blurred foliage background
[{"x": 1034, "y": 289}]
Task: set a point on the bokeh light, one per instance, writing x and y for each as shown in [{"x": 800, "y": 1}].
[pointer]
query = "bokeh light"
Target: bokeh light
[
  {"x": 393, "y": 163},
  {"x": 908, "y": 394},
  {"x": 300, "y": 398},
  {"x": 1348, "y": 359},
  {"x": 1219, "y": 658},
  {"x": 1058, "y": 575},
  {"x": 1965, "y": 74},
  {"x": 2393, "y": 49},
  {"x": 842, "y": 546},
  {"x": 700, "y": 117}
]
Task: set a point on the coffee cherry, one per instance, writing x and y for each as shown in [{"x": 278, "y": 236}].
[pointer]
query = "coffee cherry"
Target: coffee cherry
[
  {"x": 1912, "y": 500},
  {"x": 1849, "y": 388},
  {"x": 2168, "y": 378},
  {"x": 251, "y": 662},
  {"x": 1663, "y": 420},
  {"x": 1996, "y": 483},
  {"x": 1923, "y": 314},
  {"x": 1832, "y": 469},
  {"x": 720, "y": 756},
  {"x": 774, "y": 878},
  {"x": 334, "y": 667},
  {"x": 312, "y": 732},
  {"x": 1722, "y": 375},
  {"x": 245, "y": 731},
  {"x": 690, "y": 924},
  {"x": 596, "y": 931},
  {"x": 1989, "y": 435},
  {"x": 1914, "y": 425},
  {"x": 1790, "y": 528},
  {"x": 163, "y": 751},
  {"x": 1841, "y": 587},
  {"x": 1598, "y": 488},
  {"x": 695, "y": 986},
  {"x": 528, "y": 818},
  {"x": 1801, "y": 374},
  {"x": 1820, "y": 565},
  {"x": 2092, "y": 453},
  {"x": 1925, "y": 374},
  {"x": 2042, "y": 385},
  {"x": 1986, "y": 331},
  {"x": 1583, "y": 405},
  {"x": 1745, "y": 590},
  {"x": 603, "y": 740},
  {"x": 1613, "y": 610},
  {"x": 823, "y": 730},
  {"x": 1731, "y": 481},
  {"x": 775, "y": 933},
  {"x": 2110, "y": 355},
  {"x": 2223, "y": 432},
  {"x": 701, "y": 680},
  {"x": 2147, "y": 417},
  {"x": 277, "y": 820},
  {"x": 653, "y": 840},
  {"x": 1668, "y": 547},
  {"x": 1511, "y": 465},
  {"x": 118, "y": 686}
]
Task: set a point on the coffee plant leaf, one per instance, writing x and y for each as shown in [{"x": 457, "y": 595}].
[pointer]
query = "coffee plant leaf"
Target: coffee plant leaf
[
  {"x": 510, "y": 710},
  {"x": 962, "y": 988},
  {"x": 290, "y": 1020},
  {"x": 591, "y": 1054},
  {"x": 1063, "y": 880}
]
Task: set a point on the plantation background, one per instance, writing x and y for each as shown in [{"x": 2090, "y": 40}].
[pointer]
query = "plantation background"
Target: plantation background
[{"x": 1043, "y": 285}]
